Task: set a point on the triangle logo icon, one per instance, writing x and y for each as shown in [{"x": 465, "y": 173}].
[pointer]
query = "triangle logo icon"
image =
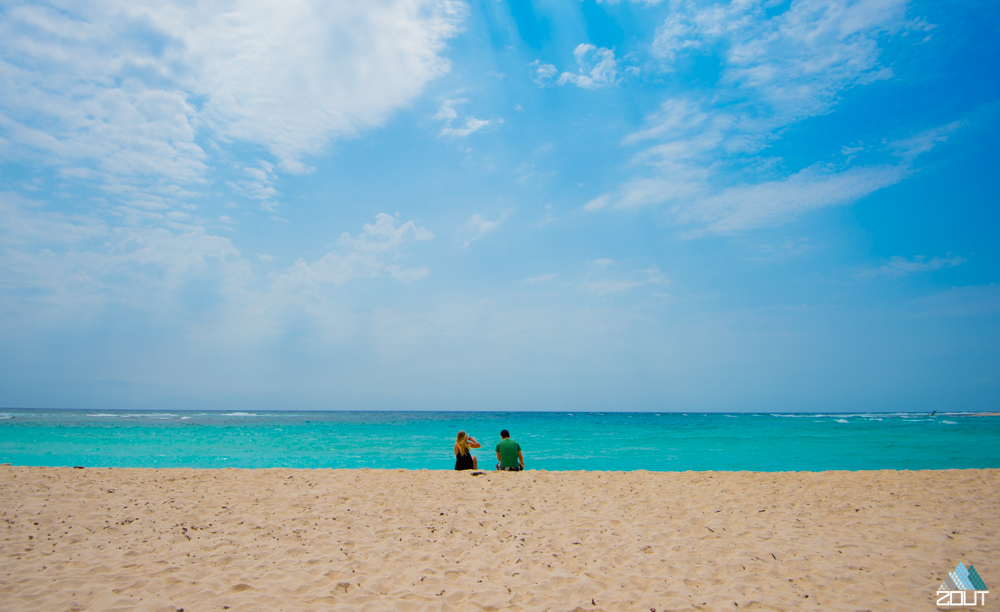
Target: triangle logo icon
[{"x": 975, "y": 580}]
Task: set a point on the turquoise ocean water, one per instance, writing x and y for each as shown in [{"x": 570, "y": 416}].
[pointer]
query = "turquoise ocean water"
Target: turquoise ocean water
[{"x": 551, "y": 441}]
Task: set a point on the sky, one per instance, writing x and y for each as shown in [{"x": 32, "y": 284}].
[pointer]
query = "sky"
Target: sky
[{"x": 572, "y": 205}]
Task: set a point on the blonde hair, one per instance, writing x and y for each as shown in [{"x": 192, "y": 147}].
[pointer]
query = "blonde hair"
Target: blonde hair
[{"x": 462, "y": 442}]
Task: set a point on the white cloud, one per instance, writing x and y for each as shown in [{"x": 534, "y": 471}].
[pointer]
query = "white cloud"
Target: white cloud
[
  {"x": 477, "y": 227},
  {"x": 118, "y": 91},
  {"x": 751, "y": 206},
  {"x": 56, "y": 267},
  {"x": 677, "y": 116},
  {"x": 294, "y": 75},
  {"x": 695, "y": 202},
  {"x": 687, "y": 184},
  {"x": 544, "y": 73},
  {"x": 796, "y": 61},
  {"x": 448, "y": 113},
  {"x": 65, "y": 265},
  {"x": 924, "y": 141},
  {"x": 370, "y": 255},
  {"x": 901, "y": 266},
  {"x": 153, "y": 102},
  {"x": 596, "y": 68},
  {"x": 258, "y": 184},
  {"x": 471, "y": 125},
  {"x": 783, "y": 69},
  {"x": 677, "y": 33}
]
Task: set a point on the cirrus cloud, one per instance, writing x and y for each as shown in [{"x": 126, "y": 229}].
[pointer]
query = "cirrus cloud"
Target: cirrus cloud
[{"x": 702, "y": 157}]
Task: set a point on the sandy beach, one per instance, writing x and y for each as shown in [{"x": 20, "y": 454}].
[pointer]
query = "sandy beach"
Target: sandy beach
[{"x": 259, "y": 540}]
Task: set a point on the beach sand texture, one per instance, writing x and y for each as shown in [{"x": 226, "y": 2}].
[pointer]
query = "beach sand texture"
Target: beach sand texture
[{"x": 279, "y": 539}]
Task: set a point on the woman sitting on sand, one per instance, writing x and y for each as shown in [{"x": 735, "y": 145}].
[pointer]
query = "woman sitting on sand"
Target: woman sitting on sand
[{"x": 463, "y": 458}]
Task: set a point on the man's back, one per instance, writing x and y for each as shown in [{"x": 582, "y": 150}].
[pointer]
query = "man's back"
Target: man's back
[{"x": 508, "y": 450}]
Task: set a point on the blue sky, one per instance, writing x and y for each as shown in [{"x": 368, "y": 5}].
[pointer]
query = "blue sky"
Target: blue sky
[{"x": 762, "y": 206}]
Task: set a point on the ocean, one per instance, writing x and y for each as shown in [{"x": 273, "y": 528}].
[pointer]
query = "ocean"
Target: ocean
[{"x": 550, "y": 441}]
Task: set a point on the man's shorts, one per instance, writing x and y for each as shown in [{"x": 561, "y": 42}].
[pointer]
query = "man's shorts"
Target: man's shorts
[{"x": 516, "y": 468}]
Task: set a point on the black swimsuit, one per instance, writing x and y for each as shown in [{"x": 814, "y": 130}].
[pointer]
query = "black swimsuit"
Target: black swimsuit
[{"x": 463, "y": 462}]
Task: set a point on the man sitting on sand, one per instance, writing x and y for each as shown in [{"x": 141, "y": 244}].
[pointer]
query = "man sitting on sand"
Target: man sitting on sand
[{"x": 509, "y": 457}]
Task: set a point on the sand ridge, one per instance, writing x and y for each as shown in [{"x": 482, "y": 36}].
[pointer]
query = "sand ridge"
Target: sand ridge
[{"x": 280, "y": 539}]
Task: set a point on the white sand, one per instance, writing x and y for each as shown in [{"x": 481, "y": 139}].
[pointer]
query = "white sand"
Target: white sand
[{"x": 242, "y": 540}]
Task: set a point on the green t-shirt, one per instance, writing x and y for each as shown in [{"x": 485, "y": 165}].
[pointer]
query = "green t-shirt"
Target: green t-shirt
[{"x": 508, "y": 450}]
